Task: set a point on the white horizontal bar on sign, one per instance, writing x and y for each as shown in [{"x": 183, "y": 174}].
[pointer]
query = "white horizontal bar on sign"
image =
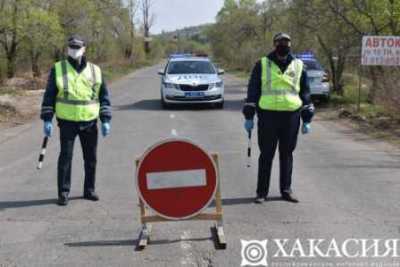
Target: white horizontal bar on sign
[{"x": 176, "y": 179}]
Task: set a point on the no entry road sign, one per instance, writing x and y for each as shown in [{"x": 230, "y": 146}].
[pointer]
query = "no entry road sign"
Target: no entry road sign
[{"x": 177, "y": 179}]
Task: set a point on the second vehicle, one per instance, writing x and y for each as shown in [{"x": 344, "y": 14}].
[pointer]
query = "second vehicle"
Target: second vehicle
[{"x": 317, "y": 76}]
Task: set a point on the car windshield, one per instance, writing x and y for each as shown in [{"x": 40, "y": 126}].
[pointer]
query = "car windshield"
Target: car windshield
[
  {"x": 312, "y": 65},
  {"x": 190, "y": 67}
]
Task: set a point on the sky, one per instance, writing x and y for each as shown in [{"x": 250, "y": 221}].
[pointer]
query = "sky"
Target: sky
[{"x": 176, "y": 14}]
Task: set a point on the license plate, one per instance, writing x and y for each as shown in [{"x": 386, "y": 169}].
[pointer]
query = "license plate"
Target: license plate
[{"x": 194, "y": 94}]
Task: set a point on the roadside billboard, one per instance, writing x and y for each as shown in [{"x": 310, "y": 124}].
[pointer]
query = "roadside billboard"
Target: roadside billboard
[{"x": 380, "y": 51}]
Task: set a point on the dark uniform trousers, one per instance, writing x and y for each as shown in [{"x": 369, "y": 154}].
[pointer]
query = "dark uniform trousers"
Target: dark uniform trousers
[
  {"x": 276, "y": 127},
  {"x": 88, "y": 135}
]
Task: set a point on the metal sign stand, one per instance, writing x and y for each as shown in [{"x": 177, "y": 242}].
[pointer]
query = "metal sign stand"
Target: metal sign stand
[{"x": 146, "y": 218}]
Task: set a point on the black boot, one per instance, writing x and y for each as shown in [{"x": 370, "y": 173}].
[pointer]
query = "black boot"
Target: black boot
[
  {"x": 260, "y": 199},
  {"x": 289, "y": 197},
  {"x": 63, "y": 199},
  {"x": 91, "y": 196}
]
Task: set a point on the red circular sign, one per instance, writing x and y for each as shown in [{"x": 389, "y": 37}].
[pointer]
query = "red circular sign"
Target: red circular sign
[{"x": 177, "y": 179}]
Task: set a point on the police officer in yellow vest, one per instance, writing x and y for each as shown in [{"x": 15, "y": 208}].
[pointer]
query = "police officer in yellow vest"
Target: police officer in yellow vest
[
  {"x": 279, "y": 93},
  {"x": 77, "y": 94}
]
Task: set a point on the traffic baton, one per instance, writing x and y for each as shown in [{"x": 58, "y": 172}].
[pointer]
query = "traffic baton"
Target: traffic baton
[
  {"x": 249, "y": 151},
  {"x": 43, "y": 152}
]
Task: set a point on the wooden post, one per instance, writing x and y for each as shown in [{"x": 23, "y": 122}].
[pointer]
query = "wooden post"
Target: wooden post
[
  {"x": 218, "y": 205},
  {"x": 359, "y": 89}
]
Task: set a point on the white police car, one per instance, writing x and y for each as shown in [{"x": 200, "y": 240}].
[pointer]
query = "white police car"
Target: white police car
[
  {"x": 317, "y": 77},
  {"x": 191, "y": 80}
]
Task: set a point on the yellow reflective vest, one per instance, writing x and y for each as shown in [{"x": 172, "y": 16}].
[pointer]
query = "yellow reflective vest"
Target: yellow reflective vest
[
  {"x": 280, "y": 91},
  {"x": 78, "y": 93}
]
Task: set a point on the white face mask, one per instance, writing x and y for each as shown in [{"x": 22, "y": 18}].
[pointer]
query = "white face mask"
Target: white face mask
[{"x": 76, "y": 53}]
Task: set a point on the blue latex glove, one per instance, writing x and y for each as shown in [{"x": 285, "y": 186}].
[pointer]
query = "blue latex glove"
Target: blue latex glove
[
  {"x": 105, "y": 128},
  {"x": 48, "y": 128},
  {"x": 249, "y": 125},
  {"x": 306, "y": 128}
]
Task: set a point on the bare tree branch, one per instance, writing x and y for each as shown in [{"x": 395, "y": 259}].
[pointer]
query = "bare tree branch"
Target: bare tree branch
[
  {"x": 361, "y": 6},
  {"x": 393, "y": 22},
  {"x": 335, "y": 8},
  {"x": 148, "y": 20}
]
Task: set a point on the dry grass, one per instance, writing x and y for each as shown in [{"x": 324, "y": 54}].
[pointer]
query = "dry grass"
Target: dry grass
[
  {"x": 7, "y": 109},
  {"x": 372, "y": 120}
]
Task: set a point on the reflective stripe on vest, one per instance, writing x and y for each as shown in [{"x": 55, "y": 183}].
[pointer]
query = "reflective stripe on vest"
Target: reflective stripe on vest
[
  {"x": 280, "y": 91},
  {"x": 78, "y": 93}
]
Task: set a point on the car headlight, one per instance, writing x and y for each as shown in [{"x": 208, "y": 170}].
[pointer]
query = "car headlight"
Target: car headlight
[
  {"x": 171, "y": 85},
  {"x": 217, "y": 85}
]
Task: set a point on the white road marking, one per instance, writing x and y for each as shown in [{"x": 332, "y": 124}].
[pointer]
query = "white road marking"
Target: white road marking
[
  {"x": 174, "y": 132},
  {"x": 188, "y": 258},
  {"x": 176, "y": 179},
  {"x": 172, "y": 116}
]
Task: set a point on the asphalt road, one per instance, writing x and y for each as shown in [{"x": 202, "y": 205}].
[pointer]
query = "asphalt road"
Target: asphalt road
[{"x": 348, "y": 185}]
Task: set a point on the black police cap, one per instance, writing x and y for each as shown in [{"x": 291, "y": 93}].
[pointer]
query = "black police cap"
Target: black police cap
[
  {"x": 281, "y": 36},
  {"x": 76, "y": 41}
]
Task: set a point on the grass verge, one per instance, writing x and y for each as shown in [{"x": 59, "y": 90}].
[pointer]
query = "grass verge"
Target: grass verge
[
  {"x": 11, "y": 91},
  {"x": 376, "y": 120}
]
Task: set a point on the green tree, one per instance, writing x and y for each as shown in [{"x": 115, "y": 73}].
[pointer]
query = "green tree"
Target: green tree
[
  {"x": 235, "y": 38},
  {"x": 317, "y": 28},
  {"x": 42, "y": 32},
  {"x": 228, "y": 7},
  {"x": 36, "y": 31},
  {"x": 13, "y": 13},
  {"x": 373, "y": 18}
]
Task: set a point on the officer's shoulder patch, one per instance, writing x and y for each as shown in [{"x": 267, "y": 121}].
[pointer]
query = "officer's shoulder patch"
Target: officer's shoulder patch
[{"x": 291, "y": 74}]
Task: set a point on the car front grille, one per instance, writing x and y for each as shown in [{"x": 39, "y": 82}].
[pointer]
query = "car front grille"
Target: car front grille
[
  {"x": 203, "y": 98},
  {"x": 201, "y": 87}
]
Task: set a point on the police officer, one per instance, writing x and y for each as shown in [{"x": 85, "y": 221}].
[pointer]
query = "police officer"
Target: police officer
[
  {"x": 77, "y": 94},
  {"x": 279, "y": 93}
]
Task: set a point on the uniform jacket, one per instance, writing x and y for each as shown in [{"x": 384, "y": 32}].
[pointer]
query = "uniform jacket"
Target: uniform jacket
[
  {"x": 50, "y": 95},
  {"x": 254, "y": 88}
]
